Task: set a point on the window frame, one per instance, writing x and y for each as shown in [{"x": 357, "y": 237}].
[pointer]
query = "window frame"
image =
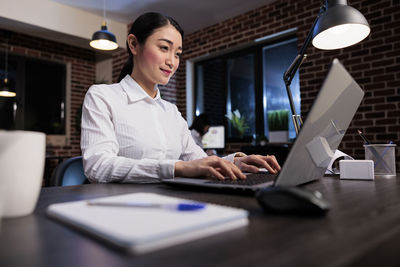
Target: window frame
[
  {"x": 256, "y": 47},
  {"x": 20, "y": 87}
]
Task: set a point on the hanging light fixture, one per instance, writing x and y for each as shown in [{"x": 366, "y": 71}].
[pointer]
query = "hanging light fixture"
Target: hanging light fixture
[
  {"x": 5, "y": 90},
  {"x": 103, "y": 39}
]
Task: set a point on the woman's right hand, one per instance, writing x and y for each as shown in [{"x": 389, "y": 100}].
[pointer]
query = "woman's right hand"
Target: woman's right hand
[{"x": 212, "y": 166}]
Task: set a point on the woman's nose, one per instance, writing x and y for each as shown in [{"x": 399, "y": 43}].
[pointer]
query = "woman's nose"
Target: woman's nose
[{"x": 170, "y": 61}]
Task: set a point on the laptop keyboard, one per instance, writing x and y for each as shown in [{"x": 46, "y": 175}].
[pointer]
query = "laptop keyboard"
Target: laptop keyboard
[{"x": 252, "y": 179}]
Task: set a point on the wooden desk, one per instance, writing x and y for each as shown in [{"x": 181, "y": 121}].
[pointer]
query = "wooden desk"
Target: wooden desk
[{"x": 362, "y": 229}]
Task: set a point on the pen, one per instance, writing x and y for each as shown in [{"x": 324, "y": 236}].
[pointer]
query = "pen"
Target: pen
[
  {"x": 363, "y": 137},
  {"x": 169, "y": 206}
]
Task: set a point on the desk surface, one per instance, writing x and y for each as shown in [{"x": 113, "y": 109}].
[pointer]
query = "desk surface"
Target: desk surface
[{"x": 362, "y": 229}]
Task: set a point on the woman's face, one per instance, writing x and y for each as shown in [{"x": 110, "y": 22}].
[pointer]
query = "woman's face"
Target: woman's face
[{"x": 158, "y": 58}]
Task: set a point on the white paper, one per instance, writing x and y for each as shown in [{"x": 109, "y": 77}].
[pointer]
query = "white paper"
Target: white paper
[
  {"x": 143, "y": 230},
  {"x": 337, "y": 155}
]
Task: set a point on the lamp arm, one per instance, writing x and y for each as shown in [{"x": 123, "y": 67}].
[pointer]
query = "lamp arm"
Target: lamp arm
[{"x": 291, "y": 71}]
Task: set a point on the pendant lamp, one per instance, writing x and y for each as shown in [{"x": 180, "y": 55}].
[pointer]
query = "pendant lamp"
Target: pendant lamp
[
  {"x": 5, "y": 90},
  {"x": 104, "y": 39}
]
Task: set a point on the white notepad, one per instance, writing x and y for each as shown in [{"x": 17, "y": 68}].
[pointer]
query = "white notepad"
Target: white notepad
[{"x": 142, "y": 230}]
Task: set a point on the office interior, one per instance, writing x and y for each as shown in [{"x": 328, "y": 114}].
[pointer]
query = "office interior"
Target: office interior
[
  {"x": 227, "y": 65},
  {"x": 58, "y": 52}
]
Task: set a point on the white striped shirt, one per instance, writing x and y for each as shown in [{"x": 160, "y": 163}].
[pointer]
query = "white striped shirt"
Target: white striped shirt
[{"x": 127, "y": 136}]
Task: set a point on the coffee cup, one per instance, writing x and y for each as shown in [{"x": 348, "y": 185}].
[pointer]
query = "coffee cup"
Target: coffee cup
[{"x": 22, "y": 159}]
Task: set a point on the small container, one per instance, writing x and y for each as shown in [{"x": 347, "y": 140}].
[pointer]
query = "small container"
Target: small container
[{"x": 383, "y": 156}]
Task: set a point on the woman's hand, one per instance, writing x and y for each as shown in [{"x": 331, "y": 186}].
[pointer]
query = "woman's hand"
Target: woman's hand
[
  {"x": 212, "y": 166},
  {"x": 253, "y": 163}
]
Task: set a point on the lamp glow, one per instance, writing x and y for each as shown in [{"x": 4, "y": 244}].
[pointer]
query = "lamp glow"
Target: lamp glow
[
  {"x": 104, "y": 39},
  {"x": 341, "y": 36},
  {"x": 336, "y": 26},
  {"x": 7, "y": 94},
  {"x": 5, "y": 90}
]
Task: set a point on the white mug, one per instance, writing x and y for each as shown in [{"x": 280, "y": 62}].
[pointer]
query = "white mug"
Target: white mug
[{"x": 22, "y": 158}]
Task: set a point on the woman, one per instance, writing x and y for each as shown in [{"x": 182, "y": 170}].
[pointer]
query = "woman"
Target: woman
[
  {"x": 199, "y": 128},
  {"x": 130, "y": 134}
]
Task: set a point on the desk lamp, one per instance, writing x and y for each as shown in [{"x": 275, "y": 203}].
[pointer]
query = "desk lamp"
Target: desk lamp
[{"x": 336, "y": 26}]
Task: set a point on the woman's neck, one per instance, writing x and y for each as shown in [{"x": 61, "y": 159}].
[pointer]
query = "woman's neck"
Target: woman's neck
[{"x": 148, "y": 87}]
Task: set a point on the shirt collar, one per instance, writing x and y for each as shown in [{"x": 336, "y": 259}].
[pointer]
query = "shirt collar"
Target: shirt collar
[{"x": 136, "y": 93}]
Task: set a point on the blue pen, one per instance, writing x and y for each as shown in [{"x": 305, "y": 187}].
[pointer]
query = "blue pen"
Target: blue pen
[{"x": 170, "y": 206}]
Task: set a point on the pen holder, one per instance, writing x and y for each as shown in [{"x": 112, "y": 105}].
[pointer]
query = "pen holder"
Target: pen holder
[{"x": 383, "y": 156}]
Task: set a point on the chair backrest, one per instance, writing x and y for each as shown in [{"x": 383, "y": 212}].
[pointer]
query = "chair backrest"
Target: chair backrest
[{"x": 69, "y": 172}]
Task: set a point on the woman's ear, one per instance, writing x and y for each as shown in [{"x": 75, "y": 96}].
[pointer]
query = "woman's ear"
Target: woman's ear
[{"x": 132, "y": 43}]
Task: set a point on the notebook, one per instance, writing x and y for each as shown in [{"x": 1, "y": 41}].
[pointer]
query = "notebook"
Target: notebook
[
  {"x": 314, "y": 147},
  {"x": 142, "y": 230}
]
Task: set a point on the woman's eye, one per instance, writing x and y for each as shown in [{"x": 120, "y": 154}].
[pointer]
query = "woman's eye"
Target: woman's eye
[
  {"x": 178, "y": 55},
  {"x": 164, "y": 48}
]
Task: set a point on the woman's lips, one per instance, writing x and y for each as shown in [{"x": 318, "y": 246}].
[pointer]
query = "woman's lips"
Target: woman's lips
[{"x": 166, "y": 72}]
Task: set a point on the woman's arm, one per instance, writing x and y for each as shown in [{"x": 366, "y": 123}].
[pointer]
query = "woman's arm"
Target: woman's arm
[{"x": 100, "y": 147}]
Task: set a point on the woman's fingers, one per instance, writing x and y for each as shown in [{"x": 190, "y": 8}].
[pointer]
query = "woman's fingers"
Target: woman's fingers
[
  {"x": 225, "y": 168},
  {"x": 228, "y": 169},
  {"x": 215, "y": 173},
  {"x": 210, "y": 166},
  {"x": 257, "y": 161},
  {"x": 221, "y": 168},
  {"x": 273, "y": 162},
  {"x": 249, "y": 168},
  {"x": 260, "y": 162}
]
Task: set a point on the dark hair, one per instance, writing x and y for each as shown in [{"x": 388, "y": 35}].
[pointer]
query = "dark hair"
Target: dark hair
[
  {"x": 199, "y": 123},
  {"x": 142, "y": 28}
]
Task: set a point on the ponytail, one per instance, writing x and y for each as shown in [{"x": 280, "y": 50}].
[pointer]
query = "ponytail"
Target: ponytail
[{"x": 127, "y": 69}]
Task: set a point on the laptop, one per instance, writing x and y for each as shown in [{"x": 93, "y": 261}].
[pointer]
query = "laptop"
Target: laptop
[{"x": 314, "y": 147}]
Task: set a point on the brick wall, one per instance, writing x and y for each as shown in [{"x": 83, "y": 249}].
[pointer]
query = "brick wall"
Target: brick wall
[
  {"x": 374, "y": 63},
  {"x": 82, "y": 76}
]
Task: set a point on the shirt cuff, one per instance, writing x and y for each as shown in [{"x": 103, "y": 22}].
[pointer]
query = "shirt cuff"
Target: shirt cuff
[
  {"x": 232, "y": 156},
  {"x": 167, "y": 169}
]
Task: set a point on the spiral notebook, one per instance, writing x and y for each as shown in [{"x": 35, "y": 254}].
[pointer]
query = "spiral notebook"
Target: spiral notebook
[{"x": 142, "y": 230}]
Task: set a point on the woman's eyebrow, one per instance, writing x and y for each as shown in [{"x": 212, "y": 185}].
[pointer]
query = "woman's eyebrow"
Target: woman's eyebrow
[{"x": 169, "y": 41}]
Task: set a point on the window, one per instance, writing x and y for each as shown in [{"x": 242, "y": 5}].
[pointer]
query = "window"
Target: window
[
  {"x": 40, "y": 102},
  {"x": 276, "y": 59},
  {"x": 241, "y": 90},
  {"x": 250, "y": 81}
]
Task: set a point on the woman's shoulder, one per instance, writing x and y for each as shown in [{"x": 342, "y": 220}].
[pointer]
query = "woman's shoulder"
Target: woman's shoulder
[{"x": 103, "y": 88}]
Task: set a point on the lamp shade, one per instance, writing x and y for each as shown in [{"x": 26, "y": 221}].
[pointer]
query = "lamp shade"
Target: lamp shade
[
  {"x": 103, "y": 39},
  {"x": 340, "y": 26},
  {"x": 5, "y": 90}
]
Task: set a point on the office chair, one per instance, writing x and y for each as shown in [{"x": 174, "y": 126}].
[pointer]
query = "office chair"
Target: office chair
[{"x": 69, "y": 172}]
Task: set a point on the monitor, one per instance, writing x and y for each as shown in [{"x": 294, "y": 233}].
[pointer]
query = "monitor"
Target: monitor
[{"x": 214, "y": 138}]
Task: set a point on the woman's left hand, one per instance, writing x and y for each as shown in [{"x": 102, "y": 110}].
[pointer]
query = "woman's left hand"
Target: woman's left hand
[{"x": 253, "y": 163}]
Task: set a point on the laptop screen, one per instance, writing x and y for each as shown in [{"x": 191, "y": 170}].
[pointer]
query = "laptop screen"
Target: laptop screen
[{"x": 324, "y": 128}]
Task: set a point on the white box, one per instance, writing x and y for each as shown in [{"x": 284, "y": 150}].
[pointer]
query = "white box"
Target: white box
[{"x": 356, "y": 169}]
